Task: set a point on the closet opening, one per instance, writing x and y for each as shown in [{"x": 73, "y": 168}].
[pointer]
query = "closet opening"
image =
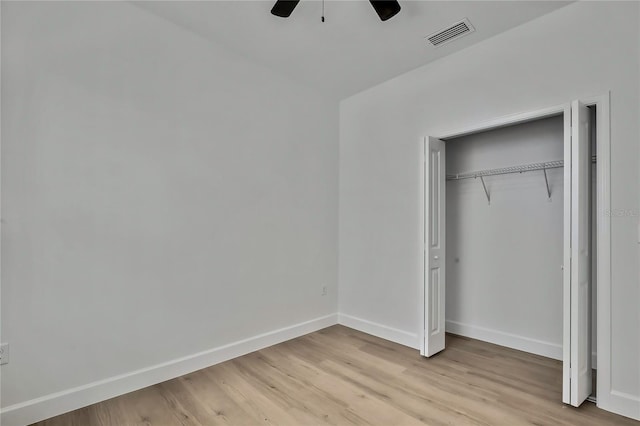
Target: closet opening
[{"x": 511, "y": 226}]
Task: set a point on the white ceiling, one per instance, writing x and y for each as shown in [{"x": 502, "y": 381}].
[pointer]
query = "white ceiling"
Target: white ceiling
[{"x": 353, "y": 50}]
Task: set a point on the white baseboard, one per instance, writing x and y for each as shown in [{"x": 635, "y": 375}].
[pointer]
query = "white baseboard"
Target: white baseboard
[
  {"x": 384, "y": 332},
  {"x": 621, "y": 403},
  {"x": 514, "y": 341},
  {"x": 71, "y": 399}
]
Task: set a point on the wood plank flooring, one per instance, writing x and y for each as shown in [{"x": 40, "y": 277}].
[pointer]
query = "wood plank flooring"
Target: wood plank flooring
[{"x": 339, "y": 376}]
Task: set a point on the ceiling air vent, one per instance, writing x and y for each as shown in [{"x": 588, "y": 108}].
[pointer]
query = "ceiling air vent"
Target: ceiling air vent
[{"x": 453, "y": 32}]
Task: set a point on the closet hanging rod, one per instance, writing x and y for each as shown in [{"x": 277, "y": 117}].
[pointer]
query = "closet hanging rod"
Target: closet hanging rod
[{"x": 513, "y": 169}]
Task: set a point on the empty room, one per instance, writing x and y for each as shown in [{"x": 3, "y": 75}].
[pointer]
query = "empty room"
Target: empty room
[{"x": 319, "y": 212}]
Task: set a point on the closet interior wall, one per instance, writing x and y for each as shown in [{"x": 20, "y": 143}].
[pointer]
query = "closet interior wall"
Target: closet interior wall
[{"x": 504, "y": 259}]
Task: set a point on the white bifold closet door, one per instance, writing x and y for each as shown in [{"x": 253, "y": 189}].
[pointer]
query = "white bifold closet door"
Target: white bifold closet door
[
  {"x": 434, "y": 250},
  {"x": 580, "y": 285},
  {"x": 577, "y": 373}
]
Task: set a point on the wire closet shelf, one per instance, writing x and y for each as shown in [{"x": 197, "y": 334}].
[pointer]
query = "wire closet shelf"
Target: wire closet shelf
[
  {"x": 507, "y": 170},
  {"x": 513, "y": 169}
]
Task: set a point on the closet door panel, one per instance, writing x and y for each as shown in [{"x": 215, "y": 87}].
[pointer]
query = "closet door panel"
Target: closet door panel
[
  {"x": 434, "y": 276},
  {"x": 566, "y": 267},
  {"x": 581, "y": 374}
]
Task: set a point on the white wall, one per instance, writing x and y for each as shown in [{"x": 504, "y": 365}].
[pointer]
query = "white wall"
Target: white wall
[
  {"x": 160, "y": 196},
  {"x": 584, "y": 49},
  {"x": 503, "y": 258}
]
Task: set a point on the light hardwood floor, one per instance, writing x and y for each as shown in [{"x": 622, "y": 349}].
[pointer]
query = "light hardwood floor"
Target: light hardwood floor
[{"x": 339, "y": 376}]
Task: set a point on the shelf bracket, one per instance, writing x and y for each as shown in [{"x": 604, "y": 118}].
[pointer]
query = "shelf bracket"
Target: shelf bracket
[
  {"x": 485, "y": 190},
  {"x": 546, "y": 181}
]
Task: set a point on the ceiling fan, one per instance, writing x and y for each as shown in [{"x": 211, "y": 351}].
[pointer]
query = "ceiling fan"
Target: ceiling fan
[{"x": 384, "y": 8}]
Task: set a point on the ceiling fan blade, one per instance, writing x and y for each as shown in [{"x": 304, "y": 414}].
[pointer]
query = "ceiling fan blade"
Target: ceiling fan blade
[
  {"x": 385, "y": 8},
  {"x": 283, "y": 8}
]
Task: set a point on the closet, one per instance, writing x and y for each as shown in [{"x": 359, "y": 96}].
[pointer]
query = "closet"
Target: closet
[
  {"x": 501, "y": 239},
  {"x": 504, "y": 236}
]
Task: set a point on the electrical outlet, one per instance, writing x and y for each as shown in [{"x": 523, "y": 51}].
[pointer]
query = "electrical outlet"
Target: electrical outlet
[
  {"x": 4, "y": 353},
  {"x": 324, "y": 290}
]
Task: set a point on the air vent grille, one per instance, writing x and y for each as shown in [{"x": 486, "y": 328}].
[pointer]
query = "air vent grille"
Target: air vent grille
[{"x": 453, "y": 32}]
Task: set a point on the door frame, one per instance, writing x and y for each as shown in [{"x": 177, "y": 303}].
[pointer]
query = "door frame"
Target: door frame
[{"x": 603, "y": 225}]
